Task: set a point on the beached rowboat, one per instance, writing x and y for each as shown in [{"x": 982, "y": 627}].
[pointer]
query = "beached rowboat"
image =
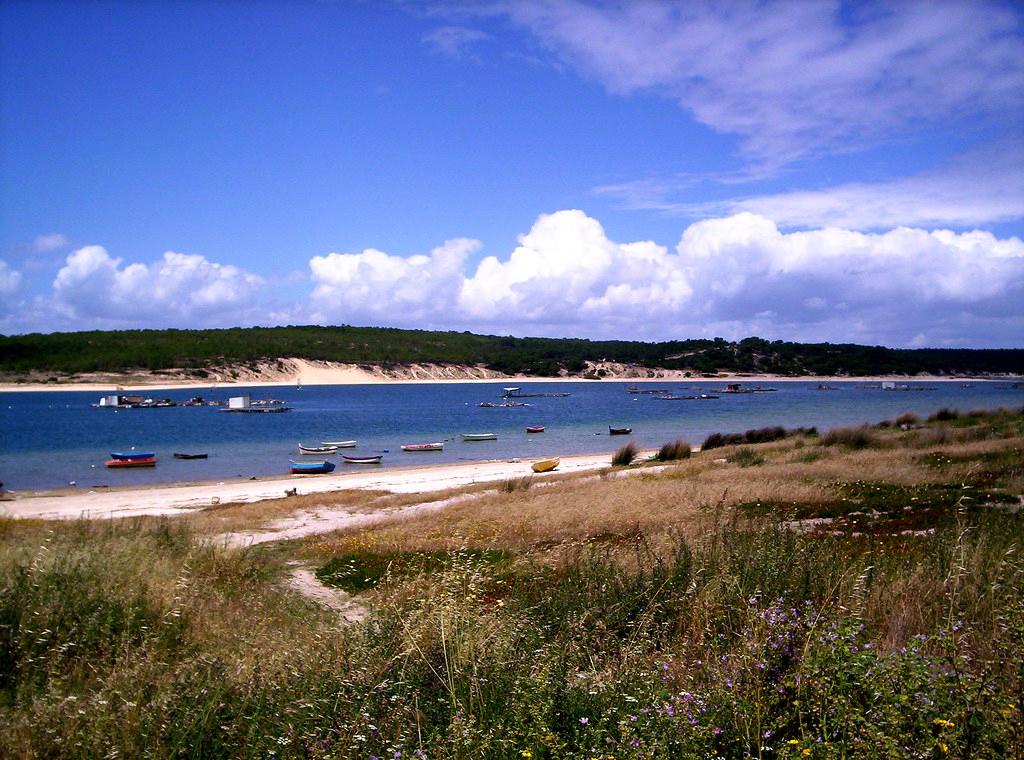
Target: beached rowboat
[
  {"x": 362, "y": 460},
  {"x": 311, "y": 468},
  {"x": 545, "y": 465},
  {"x": 339, "y": 444},
  {"x": 423, "y": 446}
]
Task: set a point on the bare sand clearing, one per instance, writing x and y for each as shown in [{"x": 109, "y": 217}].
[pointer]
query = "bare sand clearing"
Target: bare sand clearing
[{"x": 182, "y": 498}]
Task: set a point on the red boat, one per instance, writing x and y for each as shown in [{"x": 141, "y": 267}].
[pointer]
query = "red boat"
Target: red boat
[
  {"x": 535, "y": 429},
  {"x": 149, "y": 461}
]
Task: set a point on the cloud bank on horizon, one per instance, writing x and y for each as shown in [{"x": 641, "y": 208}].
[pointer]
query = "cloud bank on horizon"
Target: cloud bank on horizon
[
  {"x": 733, "y": 276},
  {"x": 876, "y": 192}
]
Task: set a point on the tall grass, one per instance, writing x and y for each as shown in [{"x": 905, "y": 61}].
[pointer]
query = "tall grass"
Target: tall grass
[
  {"x": 678, "y": 449},
  {"x": 742, "y": 639},
  {"x": 625, "y": 455}
]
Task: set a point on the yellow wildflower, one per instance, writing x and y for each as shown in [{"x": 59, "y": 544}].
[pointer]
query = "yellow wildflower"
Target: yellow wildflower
[
  {"x": 793, "y": 742},
  {"x": 943, "y": 748},
  {"x": 943, "y": 723},
  {"x": 806, "y": 752},
  {"x": 526, "y": 753}
]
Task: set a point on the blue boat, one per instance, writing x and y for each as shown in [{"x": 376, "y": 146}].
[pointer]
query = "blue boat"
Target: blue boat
[
  {"x": 132, "y": 454},
  {"x": 315, "y": 467}
]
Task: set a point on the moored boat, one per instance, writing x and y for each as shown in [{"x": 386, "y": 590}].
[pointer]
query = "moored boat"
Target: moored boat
[
  {"x": 317, "y": 449},
  {"x": 479, "y": 436},
  {"x": 339, "y": 444},
  {"x": 311, "y": 468},
  {"x": 126, "y": 455},
  {"x": 375, "y": 459},
  {"x": 115, "y": 463},
  {"x": 619, "y": 431},
  {"x": 438, "y": 446},
  {"x": 535, "y": 429},
  {"x": 184, "y": 455},
  {"x": 545, "y": 465}
]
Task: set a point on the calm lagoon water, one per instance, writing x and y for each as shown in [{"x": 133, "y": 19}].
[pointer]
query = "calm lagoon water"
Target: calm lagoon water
[{"x": 49, "y": 439}]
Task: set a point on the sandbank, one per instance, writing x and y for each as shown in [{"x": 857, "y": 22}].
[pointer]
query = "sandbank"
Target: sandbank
[
  {"x": 183, "y": 498},
  {"x": 300, "y": 372}
]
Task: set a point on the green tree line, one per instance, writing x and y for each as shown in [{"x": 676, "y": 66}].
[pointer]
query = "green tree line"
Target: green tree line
[{"x": 199, "y": 350}]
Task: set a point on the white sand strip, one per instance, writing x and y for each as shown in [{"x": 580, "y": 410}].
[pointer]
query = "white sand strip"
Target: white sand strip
[{"x": 176, "y": 499}]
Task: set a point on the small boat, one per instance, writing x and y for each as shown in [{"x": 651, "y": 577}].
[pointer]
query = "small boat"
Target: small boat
[
  {"x": 125, "y": 455},
  {"x": 535, "y": 429},
  {"x": 311, "y": 468},
  {"x": 423, "y": 446},
  {"x": 149, "y": 461},
  {"x": 375, "y": 459},
  {"x": 317, "y": 449},
  {"x": 479, "y": 436},
  {"x": 619, "y": 431},
  {"x": 339, "y": 444},
  {"x": 497, "y": 404},
  {"x": 545, "y": 465},
  {"x": 183, "y": 455}
]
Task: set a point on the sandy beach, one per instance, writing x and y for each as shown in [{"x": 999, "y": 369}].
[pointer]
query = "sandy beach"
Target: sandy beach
[
  {"x": 293, "y": 372},
  {"x": 180, "y": 499}
]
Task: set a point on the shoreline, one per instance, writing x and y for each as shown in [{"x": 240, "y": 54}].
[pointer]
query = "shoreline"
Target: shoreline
[
  {"x": 184, "y": 498},
  {"x": 347, "y": 376}
]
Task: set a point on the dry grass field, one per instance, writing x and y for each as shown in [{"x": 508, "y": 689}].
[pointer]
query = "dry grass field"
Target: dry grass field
[{"x": 853, "y": 594}]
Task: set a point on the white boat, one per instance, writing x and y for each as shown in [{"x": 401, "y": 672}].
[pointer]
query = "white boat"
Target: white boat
[
  {"x": 325, "y": 449},
  {"x": 339, "y": 444},
  {"x": 362, "y": 460},
  {"x": 438, "y": 446},
  {"x": 479, "y": 436}
]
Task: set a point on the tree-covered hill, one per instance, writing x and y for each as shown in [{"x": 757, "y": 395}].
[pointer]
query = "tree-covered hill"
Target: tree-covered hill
[{"x": 127, "y": 350}]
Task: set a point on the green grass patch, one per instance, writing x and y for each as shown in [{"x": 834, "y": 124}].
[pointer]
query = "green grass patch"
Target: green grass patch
[{"x": 360, "y": 571}]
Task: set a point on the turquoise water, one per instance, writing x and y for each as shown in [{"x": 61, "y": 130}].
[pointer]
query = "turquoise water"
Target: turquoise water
[{"x": 50, "y": 439}]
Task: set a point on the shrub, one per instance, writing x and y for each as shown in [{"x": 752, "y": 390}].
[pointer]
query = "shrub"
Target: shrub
[
  {"x": 859, "y": 437},
  {"x": 512, "y": 485},
  {"x": 765, "y": 434},
  {"x": 945, "y": 414},
  {"x": 908, "y": 419},
  {"x": 678, "y": 449},
  {"x": 745, "y": 457},
  {"x": 625, "y": 455}
]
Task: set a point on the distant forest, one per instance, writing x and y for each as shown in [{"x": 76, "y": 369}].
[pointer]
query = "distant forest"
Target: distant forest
[{"x": 201, "y": 350}]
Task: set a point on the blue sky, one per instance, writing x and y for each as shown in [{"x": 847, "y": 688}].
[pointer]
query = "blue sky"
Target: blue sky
[{"x": 803, "y": 171}]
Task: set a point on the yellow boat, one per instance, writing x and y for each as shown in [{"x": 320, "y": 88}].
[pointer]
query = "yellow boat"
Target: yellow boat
[{"x": 545, "y": 465}]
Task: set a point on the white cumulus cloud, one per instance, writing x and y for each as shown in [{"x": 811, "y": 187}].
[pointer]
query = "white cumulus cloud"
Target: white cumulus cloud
[
  {"x": 731, "y": 276},
  {"x": 372, "y": 285},
  {"x": 178, "y": 289}
]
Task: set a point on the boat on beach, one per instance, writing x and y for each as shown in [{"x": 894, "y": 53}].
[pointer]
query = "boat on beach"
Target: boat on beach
[
  {"x": 339, "y": 444},
  {"x": 317, "y": 449},
  {"x": 438, "y": 446},
  {"x": 545, "y": 465},
  {"x": 311, "y": 468},
  {"x": 375, "y": 459},
  {"x": 116, "y": 463},
  {"x": 479, "y": 436},
  {"x": 535, "y": 429}
]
